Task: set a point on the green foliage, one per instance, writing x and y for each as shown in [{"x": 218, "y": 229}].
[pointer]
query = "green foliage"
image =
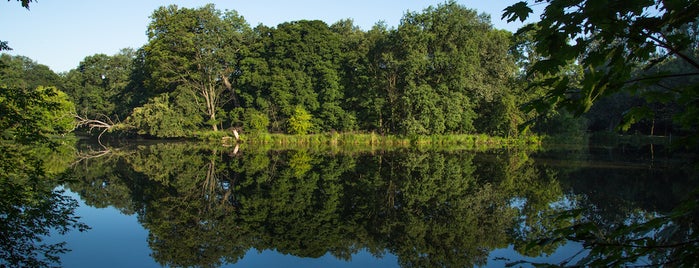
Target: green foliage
[
  {"x": 100, "y": 85},
  {"x": 195, "y": 51},
  {"x": 443, "y": 70},
  {"x": 31, "y": 206},
  {"x": 57, "y": 111},
  {"x": 30, "y": 115},
  {"x": 160, "y": 117},
  {"x": 445, "y": 63},
  {"x": 255, "y": 121},
  {"x": 298, "y": 63},
  {"x": 20, "y": 72},
  {"x": 300, "y": 122},
  {"x": 619, "y": 47}
]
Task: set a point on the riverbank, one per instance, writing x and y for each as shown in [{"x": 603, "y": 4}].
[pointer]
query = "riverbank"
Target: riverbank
[{"x": 374, "y": 139}]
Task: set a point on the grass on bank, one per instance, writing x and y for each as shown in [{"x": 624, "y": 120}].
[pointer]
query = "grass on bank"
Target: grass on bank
[{"x": 370, "y": 139}]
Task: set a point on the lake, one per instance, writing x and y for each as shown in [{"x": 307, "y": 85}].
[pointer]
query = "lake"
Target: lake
[{"x": 182, "y": 204}]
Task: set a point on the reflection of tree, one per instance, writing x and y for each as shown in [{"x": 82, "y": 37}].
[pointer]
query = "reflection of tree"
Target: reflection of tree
[
  {"x": 441, "y": 215},
  {"x": 618, "y": 220},
  {"x": 30, "y": 206},
  {"x": 531, "y": 190},
  {"x": 205, "y": 207},
  {"x": 191, "y": 220}
]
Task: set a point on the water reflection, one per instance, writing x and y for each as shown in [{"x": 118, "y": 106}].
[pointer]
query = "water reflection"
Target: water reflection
[
  {"x": 209, "y": 206},
  {"x": 31, "y": 205}
]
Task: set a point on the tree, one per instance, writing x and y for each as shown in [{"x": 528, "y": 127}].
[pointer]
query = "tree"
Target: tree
[
  {"x": 612, "y": 42},
  {"x": 31, "y": 105},
  {"x": 255, "y": 121},
  {"x": 20, "y": 72},
  {"x": 195, "y": 51},
  {"x": 298, "y": 63},
  {"x": 165, "y": 118},
  {"x": 443, "y": 64},
  {"x": 31, "y": 205},
  {"x": 378, "y": 104},
  {"x": 300, "y": 121},
  {"x": 99, "y": 83},
  {"x": 619, "y": 44}
]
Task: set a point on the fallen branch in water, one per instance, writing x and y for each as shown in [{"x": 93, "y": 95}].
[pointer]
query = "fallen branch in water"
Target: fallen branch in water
[{"x": 94, "y": 123}]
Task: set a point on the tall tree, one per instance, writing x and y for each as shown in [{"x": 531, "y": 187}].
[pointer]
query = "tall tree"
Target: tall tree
[
  {"x": 194, "y": 51},
  {"x": 380, "y": 100},
  {"x": 298, "y": 63},
  {"x": 451, "y": 62}
]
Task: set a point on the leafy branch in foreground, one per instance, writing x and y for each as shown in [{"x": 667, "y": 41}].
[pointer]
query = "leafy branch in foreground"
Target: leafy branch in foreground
[{"x": 646, "y": 48}]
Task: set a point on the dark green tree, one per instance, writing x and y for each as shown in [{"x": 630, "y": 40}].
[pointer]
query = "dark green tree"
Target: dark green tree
[
  {"x": 20, "y": 72},
  {"x": 99, "y": 82},
  {"x": 297, "y": 63},
  {"x": 440, "y": 66},
  {"x": 194, "y": 52}
]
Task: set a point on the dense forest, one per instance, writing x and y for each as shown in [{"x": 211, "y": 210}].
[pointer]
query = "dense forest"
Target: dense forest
[{"x": 444, "y": 70}]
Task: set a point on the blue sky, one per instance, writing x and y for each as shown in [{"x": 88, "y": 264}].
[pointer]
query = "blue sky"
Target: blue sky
[{"x": 61, "y": 33}]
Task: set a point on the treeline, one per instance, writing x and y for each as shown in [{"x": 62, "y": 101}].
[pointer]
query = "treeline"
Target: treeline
[{"x": 444, "y": 70}]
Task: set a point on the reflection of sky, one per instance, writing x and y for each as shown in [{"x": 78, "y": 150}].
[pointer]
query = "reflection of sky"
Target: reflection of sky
[
  {"x": 270, "y": 258},
  {"x": 501, "y": 257},
  {"x": 118, "y": 240},
  {"x": 115, "y": 240}
]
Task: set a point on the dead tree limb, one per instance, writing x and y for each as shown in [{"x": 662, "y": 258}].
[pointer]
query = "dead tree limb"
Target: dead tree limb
[{"x": 95, "y": 124}]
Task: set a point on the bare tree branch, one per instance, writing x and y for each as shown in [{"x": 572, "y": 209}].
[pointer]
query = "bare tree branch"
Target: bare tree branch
[{"x": 94, "y": 123}]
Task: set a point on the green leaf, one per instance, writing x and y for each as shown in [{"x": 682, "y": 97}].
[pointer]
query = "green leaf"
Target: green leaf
[
  {"x": 519, "y": 11},
  {"x": 635, "y": 115}
]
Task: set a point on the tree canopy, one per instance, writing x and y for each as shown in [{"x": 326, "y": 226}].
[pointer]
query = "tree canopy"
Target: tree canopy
[
  {"x": 442, "y": 70},
  {"x": 194, "y": 52}
]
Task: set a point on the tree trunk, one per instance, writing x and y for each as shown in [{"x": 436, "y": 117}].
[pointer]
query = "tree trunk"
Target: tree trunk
[
  {"x": 229, "y": 87},
  {"x": 213, "y": 119}
]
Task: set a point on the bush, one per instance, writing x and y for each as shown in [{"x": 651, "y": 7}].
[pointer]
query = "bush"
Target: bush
[
  {"x": 300, "y": 122},
  {"x": 255, "y": 121}
]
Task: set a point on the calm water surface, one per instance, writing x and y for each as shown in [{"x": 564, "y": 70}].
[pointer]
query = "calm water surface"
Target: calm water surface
[{"x": 177, "y": 204}]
